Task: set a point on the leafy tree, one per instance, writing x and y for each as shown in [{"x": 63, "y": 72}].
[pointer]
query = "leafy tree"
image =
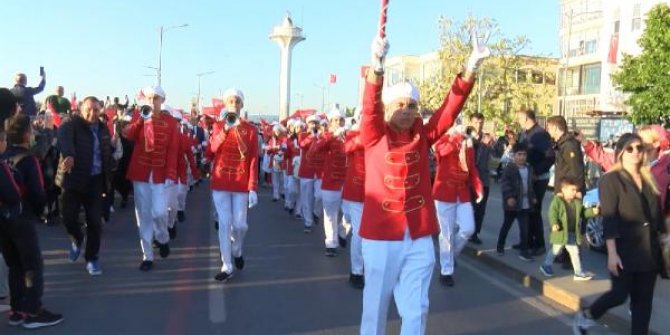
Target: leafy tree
[
  {"x": 505, "y": 81},
  {"x": 647, "y": 77}
]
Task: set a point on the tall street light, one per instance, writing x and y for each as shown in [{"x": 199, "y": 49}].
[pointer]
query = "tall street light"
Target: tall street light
[
  {"x": 200, "y": 75},
  {"x": 160, "y": 48}
]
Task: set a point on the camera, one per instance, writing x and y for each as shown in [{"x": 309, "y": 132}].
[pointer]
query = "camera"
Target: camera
[{"x": 145, "y": 111}]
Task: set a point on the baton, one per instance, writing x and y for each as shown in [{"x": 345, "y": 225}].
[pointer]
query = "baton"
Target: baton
[{"x": 382, "y": 18}]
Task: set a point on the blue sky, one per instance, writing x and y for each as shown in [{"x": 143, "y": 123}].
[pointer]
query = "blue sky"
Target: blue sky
[{"x": 101, "y": 48}]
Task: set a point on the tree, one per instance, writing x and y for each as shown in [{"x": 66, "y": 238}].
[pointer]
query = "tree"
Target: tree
[
  {"x": 505, "y": 81},
  {"x": 647, "y": 77}
]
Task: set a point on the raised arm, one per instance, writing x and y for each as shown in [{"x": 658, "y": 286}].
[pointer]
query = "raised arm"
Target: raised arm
[
  {"x": 133, "y": 130},
  {"x": 372, "y": 117},
  {"x": 445, "y": 116},
  {"x": 596, "y": 153}
]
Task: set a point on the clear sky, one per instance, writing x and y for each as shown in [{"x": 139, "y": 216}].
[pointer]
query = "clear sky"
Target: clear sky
[{"x": 101, "y": 48}]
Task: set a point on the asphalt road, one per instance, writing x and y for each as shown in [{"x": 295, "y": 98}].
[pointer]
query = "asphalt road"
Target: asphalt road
[{"x": 287, "y": 287}]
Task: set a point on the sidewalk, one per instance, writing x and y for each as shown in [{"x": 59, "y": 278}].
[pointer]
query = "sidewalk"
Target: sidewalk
[{"x": 560, "y": 288}]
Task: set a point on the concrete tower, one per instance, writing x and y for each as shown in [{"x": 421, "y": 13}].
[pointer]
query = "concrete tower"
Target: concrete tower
[{"x": 287, "y": 36}]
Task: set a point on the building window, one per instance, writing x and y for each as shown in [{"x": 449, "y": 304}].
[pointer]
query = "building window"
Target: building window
[
  {"x": 590, "y": 82},
  {"x": 637, "y": 18},
  {"x": 591, "y": 47},
  {"x": 550, "y": 78},
  {"x": 521, "y": 76},
  {"x": 537, "y": 77}
]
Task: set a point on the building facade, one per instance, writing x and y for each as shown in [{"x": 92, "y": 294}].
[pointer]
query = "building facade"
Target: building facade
[{"x": 594, "y": 34}]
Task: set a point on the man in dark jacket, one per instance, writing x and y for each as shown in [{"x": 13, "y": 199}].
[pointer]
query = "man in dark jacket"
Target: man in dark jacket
[
  {"x": 25, "y": 94},
  {"x": 569, "y": 155},
  {"x": 540, "y": 158},
  {"x": 84, "y": 175},
  {"x": 483, "y": 145}
]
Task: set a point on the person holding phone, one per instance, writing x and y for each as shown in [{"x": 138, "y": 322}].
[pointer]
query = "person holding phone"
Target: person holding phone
[{"x": 25, "y": 94}]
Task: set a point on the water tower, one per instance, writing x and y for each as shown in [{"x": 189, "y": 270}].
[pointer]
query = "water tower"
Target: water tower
[{"x": 287, "y": 36}]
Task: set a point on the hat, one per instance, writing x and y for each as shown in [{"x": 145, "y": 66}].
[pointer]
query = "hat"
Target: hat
[
  {"x": 400, "y": 90},
  {"x": 233, "y": 92},
  {"x": 335, "y": 114},
  {"x": 278, "y": 128},
  {"x": 153, "y": 90},
  {"x": 623, "y": 141},
  {"x": 167, "y": 108},
  {"x": 313, "y": 118}
]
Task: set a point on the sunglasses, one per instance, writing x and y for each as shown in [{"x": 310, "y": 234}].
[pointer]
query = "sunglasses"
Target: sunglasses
[{"x": 637, "y": 148}]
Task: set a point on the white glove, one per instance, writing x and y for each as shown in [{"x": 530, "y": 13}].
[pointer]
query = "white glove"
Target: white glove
[
  {"x": 480, "y": 51},
  {"x": 379, "y": 48},
  {"x": 253, "y": 199}
]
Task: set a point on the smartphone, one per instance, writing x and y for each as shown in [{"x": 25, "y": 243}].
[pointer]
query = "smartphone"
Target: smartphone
[{"x": 41, "y": 71}]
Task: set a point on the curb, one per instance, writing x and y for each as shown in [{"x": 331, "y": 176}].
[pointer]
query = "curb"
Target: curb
[{"x": 561, "y": 296}]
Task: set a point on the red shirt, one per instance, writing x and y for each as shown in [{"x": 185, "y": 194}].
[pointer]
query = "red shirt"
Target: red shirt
[
  {"x": 397, "y": 178},
  {"x": 354, "y": 183},
  {"x": 159, "y": 161},
  {"x": 335, "y": 161},
  {"x": 235, "y": 164},
  {"x": 455, "y": 175},
  {"x": 306, "y": 170}
]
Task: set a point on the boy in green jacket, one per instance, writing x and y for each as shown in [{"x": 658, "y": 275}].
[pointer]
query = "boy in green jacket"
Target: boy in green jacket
[{"x": 565, "y": 215}]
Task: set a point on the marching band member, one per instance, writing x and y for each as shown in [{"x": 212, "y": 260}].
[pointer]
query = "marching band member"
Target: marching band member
[
  {"x": 153, "y": 167},
  {"x": 398, "y": 212},
  {"x": 308, "y": 171},
  {"x": 291, "y": 151},
  {"x": 331, "y": 145},
  {"x": 353, "y": 193},
  {"x": 234, "y": 144},
  {"x": 456, "y": 175}
]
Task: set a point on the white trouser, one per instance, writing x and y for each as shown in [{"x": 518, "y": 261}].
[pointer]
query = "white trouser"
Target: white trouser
[
  {"x": 457, "y": 224},
  {"x": 353, "y": 213},
  {"x": 182, "y": 191},
  {"x": 232, "y": 210},
  {"x": 292, "y": 186},
  {"x": 151, "y": 210},
  {"x": 171, "y": 192},
  {"x": 402, "y": 269},
  {"x": 276, "y": 184},
  {"x": 331, "y": 216},
  {"x": 318, "y": 198},
  {"x": 285, "y": 190},
  {"x": 307, "y": 200}
]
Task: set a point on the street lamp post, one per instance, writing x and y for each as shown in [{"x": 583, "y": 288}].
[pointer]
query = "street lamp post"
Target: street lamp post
[
  {"x": 200, "y": 75},
  {"x": 160, "y": 48}
]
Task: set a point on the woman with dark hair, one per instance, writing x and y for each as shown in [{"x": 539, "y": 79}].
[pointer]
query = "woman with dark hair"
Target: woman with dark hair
[
  {"x": 632, "y": 222},
  {"x": 9, "y": 105}
]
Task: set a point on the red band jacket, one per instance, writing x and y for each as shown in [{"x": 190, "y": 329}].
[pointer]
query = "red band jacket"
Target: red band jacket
[
  {"x": 397, "y": 178},
  {"x": 354, "y": 183},
  {"x": 335, "y": 161},
  {"x": 235, "y": 162},
  {"x": 456, "y": 175},
  {"x": 311, "y": 163},
  {"x": 158, "y": 160},
  {"x": 186, "y": 159}
]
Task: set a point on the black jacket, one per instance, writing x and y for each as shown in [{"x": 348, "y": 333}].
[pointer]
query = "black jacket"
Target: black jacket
[
  {"x": 569, "y": 161},
  {"x": 10, "y": 194},
  {"x": 512, "y": 187},
  {"x": 633, "y": 219},
  {"x": 540, "y": 151},
  {"x": 75, "y": 140},
  {"x": 26, "y": 98},
  {"x": 29, "y": 179}
]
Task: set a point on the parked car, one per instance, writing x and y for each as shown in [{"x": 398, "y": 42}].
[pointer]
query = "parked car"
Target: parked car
[{"x": 593, "y": 227}]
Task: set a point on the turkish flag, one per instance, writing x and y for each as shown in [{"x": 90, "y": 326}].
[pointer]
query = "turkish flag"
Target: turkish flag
[
  {"x": 332, "y": 79},
  {"x": 54, "y": 115},
  {"x": 217, "y": 103},
  {"x": 614, "y": 48}
]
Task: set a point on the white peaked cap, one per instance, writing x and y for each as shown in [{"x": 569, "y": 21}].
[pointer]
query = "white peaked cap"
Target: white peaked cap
[
  {"x": 313, "y": 118},
  {"x": 167, "y": 108},
  {"x": 335, "y": 113},
  {"x": 153, "y": 90},
  {"x": 233, "y": 92},
  {"x": 398, "y": 91},
  {"x": 278, "y": 128}
]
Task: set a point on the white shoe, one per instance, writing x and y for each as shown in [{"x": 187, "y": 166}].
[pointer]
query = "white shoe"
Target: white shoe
[{"x": 581, "y": 323}]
